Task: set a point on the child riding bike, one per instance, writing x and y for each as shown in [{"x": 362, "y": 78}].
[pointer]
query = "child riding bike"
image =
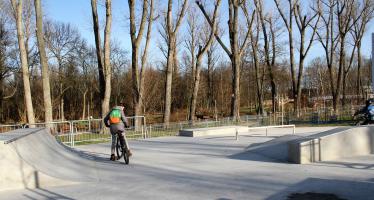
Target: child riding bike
[{"x": 117, "y": 122}]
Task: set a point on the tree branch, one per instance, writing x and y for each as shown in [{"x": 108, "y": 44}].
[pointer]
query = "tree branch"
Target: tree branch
[{"x": 228, "y": 52}]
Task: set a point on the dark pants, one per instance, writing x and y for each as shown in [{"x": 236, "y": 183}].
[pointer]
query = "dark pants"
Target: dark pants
[{"x": 122, "y": 140}]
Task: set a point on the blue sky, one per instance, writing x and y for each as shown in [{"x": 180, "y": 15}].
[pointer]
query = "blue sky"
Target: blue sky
[{"x": 78, "y": 13}]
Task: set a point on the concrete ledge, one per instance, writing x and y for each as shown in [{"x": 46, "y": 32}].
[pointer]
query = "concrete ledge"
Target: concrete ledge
[
  {"x": 332, "y": 145},
  {"x": 224, "y": 130}
]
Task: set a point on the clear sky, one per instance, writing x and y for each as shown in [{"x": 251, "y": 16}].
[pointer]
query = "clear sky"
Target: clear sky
[{"x": 78, "y": 13}]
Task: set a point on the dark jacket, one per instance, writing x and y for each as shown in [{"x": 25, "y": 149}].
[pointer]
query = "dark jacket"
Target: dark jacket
[{"x": 120, "y": 127}]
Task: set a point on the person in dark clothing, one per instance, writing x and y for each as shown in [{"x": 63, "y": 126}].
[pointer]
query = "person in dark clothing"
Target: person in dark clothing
[{"x": 367, "y": 112}]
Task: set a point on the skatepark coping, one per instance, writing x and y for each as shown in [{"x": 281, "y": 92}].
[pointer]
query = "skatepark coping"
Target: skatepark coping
[{"x": 12, "y": 136}]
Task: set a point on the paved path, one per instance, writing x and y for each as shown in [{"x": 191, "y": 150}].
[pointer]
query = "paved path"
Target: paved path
[{"x": 218, "y": 168}]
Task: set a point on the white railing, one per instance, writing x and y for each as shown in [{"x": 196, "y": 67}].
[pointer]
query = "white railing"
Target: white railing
[
  {"x": 60, "y": 129},
  {"x": 93, "y": 130}
]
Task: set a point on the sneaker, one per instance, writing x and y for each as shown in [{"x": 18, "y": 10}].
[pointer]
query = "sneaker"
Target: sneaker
[
  {"x": 128, "y": 152},
  {"x": 113, "y": 157}
]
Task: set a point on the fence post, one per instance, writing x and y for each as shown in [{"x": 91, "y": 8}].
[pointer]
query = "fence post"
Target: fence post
[
  {"x": 266, "y": 131},
  {"x": 150, "y": 130},
  {"x": 71, "y": 134},
  {"x": 236, "y": 134},
  {"x": 143, "y": 135},
  {"x": 89, "y": 124}
]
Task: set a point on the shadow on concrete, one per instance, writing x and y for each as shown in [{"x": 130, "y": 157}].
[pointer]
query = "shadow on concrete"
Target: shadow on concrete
[
  {"x": 40, "y": 193},
  {"x": 352, "y": 165},
  {"x": 344, "y": 189},
  {"x": 89, "y": 155},
  {"x": 275, "y": 150}
]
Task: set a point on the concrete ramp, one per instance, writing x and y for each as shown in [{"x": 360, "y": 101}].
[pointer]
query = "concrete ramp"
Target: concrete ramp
[
  {"x": 31, "y": 158},
  {"x": 275, "y": 150},
  {"x": 224, "y": 130},
  {"x": 332, "y": 145}
]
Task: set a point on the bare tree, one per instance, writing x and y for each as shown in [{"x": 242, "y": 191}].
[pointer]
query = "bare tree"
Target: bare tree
[
  {"x": 212, "y": 59},
  {"x": 17, "y": 7},
  {"x": 99, "y": 54},
  {"x": 136, "y": 39},
  {"x": 344, "y": 11},
  {"x": 61, "y": 40},
  {"x": 269, "y": 46},
  {"x": 191, "y": 41},
  {"x": 328, "y": 40},
  {"x": 107, "y": 66},
  {"x": 358, "y": 31},
  {"x": 203, "y": 48},
  {"x": 237, "y": 49},
  {"x": 304, "y": 22},
  {"x": 256, "y": 64},
  {"x": 43, "y": 62},
  {"x": 288, "y": 21},
  {"x": 172, "y": 31},
  {"x": 103, "y": 56}
]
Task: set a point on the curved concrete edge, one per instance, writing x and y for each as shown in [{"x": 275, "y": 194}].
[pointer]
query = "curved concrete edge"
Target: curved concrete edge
[
  {"x": 332, "y": 145},
  {"x": 15, "y": 173},
  {"x": 224, "y": 130}
]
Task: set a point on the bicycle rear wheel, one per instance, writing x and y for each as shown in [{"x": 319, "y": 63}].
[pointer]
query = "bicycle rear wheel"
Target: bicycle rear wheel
[
  {"x": 126, "y": 157},
  {"x": 119, "y": 150}
]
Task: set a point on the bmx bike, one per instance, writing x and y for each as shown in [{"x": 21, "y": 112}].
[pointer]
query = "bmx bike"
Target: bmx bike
[{"x": 121, "y": 151}]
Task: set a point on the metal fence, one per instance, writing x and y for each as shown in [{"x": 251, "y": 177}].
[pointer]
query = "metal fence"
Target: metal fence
[
  {"x": 6, "y": 128},
  {"x": 93, "y": 130},
  {"x": 157, "y": 130}
]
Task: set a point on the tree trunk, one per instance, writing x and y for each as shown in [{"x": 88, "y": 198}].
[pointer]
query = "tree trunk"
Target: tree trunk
[
  {"x": 138, "y": 77},
  {"x": 96, "y": 29},
  {"x": 62, "y": 116},
  {"x": 235, "y": 61},
  {"x": 359, "y": 64},
  {"x": 235, "y": 104},
  {"x": 299, "y": 82},
  {"x": 195, "y": 92},
  {"x": 168, "y": 84},
  {"x": 269, "y": 62},
  {"x": 201, "y": 52},
  {"x": 340, "y": 72},
  {"x": 43, "y": 62},
  {"x": 171, "y": 31},
  {"x": 24, "y": 62},
  {"x": 210, "y": 79},
  {"x": 107, "y": 66},
  {"x": 84, "y": 104},
  {"x": 293, "y": 73}
]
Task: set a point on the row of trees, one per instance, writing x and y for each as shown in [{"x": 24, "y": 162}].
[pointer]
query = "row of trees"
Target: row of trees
[{"x": 200, "y": 72}]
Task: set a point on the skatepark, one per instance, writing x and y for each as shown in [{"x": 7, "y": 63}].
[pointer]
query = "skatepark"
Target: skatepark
[{"x": 253, "y": 165}]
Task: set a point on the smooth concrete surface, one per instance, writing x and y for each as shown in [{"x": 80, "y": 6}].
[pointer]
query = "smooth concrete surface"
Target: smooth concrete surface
[
  {"x": 210, "y": 167},
  {"x": 16, "y": 172},
  {"x": 224, "y": 130},
  {"x": 332, "y": 145}
]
